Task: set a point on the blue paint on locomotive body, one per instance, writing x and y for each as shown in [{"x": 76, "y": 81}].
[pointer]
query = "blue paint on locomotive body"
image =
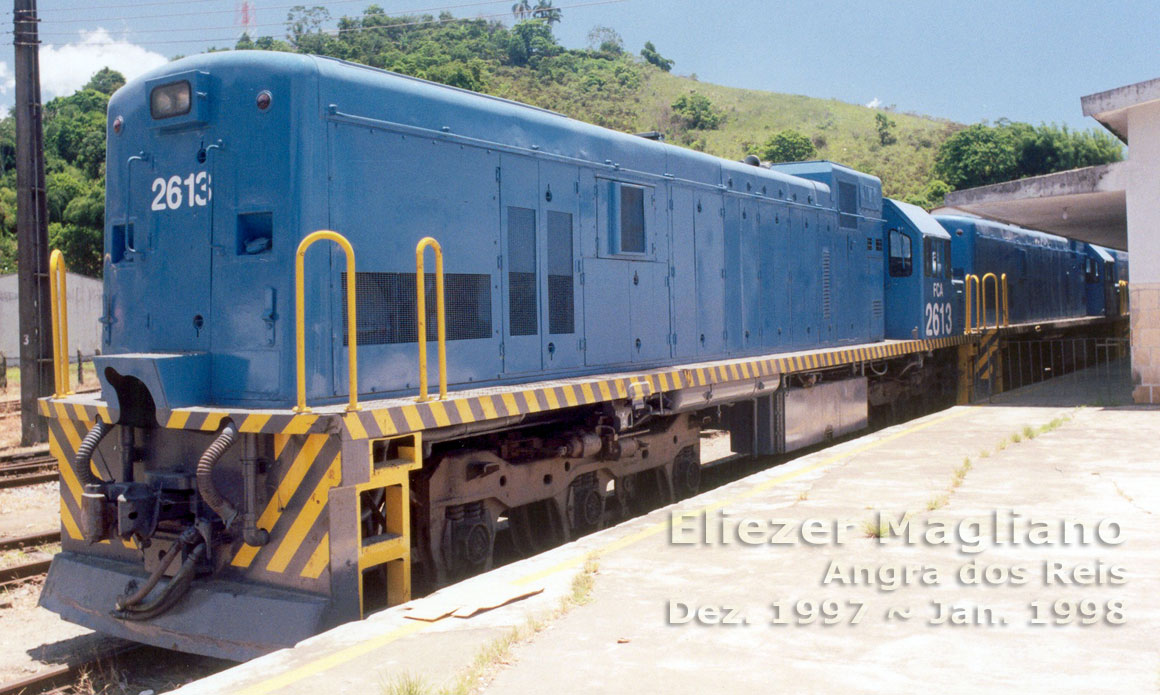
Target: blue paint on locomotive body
[
  {"x": 920, "y": 299},
  {"x": 569, "y": 248},
  {"x": 1044, "y": 272}
]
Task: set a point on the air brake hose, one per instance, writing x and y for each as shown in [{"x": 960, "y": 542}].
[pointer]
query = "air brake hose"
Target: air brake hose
[
  {"x": 170, "y": 595},
  {"x": 84, "y": 456},
  {"x": 205, "y": 466}
]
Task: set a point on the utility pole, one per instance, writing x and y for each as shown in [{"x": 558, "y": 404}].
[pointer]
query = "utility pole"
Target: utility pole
[{"x": 36, "y": 369}]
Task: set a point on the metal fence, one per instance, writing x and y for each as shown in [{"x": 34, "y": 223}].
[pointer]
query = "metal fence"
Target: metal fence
[{"x": 1099, "y": 368}]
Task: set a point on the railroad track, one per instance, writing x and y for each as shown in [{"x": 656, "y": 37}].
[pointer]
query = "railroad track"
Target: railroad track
[
  {"x": 27, "y": 469},
  {"x": 64, "y": 674},
  {"x": 26, "y": 570}
]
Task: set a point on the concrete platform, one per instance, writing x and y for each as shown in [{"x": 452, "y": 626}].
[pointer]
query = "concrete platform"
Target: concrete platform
[{"x": 1086, "y": 463}]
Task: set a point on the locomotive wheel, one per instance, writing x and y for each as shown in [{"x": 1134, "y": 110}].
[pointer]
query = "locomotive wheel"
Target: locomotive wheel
[
  {"x": 536, "y": 527},
  {"x": 686, "y": 474}
]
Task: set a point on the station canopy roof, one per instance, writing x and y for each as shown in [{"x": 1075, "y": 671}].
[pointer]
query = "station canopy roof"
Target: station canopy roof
[{"x": 1086, "y": 204}]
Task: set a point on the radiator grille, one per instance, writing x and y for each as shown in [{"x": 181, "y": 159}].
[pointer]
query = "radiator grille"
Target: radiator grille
[
  {"x": 387, "y": 312},
  {"x": 522, "y": 271},
  {"x": 825, "y": 284},
  {"x": 561, "y": 302},
  {"x": 876, "y": 308}
]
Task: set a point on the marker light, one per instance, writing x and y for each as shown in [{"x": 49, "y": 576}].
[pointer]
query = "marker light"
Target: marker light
[
  {"x": 118, "y": 123},
  {"x": 264, "y": 99},
  {"x": 170, "y": 100}
]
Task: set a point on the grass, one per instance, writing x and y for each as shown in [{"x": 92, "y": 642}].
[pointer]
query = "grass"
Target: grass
[
  {"x": 498, "y": 652},
  {"x": 960, "y": 473},
  {"x": 842, "y": 132},
  {"x": 875, "y": 528},
  {"x": 937, "y": 502}
]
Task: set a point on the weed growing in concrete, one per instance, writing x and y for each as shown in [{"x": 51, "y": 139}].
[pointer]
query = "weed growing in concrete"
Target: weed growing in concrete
[
  {"x": 1030, "y": 433},
  {"x": 1016, "y": 438},
  {"x": 937, "y": 502},
  {"x": 498, "y": 652},
  {"x": 873, "y": 528},
  {"x": 803, "y": 496}
]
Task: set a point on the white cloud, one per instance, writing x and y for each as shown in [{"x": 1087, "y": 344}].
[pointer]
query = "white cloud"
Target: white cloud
[
  {"x": 874, "y": 103},
  {"x": 7, "y": 79},
  {"x": 67, "y": 67}
]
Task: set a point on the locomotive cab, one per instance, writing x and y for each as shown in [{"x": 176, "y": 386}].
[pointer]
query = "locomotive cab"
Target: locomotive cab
[{"x": 920, "y": 295}]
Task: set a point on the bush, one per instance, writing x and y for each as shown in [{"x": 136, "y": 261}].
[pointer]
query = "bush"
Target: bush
[
  {"x": 695, "y": 112},
  {"x": 788, "y": 146}
]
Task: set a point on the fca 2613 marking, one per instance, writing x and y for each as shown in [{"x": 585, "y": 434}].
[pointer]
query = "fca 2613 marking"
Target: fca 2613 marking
[{"x": 171, "y": 193}]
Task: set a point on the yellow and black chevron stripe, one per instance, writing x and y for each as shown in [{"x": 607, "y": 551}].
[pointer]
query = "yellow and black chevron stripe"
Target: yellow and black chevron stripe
[
  {"x": 411, "y": 417},
  {"x": 400, "y": 416},
  {"x": 987, "y": 361},
  {"x": 64, "y": 436},
  {"x": 306, "y": 468}
]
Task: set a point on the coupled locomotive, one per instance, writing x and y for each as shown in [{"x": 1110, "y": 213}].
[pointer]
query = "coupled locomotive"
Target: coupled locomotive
[{"x": 257, "y": 468}]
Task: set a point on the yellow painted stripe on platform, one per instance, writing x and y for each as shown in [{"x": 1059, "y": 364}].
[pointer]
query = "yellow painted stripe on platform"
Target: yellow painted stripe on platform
[
  {"x": 586, "y": 391},
  {"x": 464, "y": 409},
  {"x": 254, "y": 423},
  {"x": 532, "y": 402},
  {"x": 743, "y": 495},
  {"x": 569, "y": 395},
  {"x": 319, "y": 559},
  {"x": 488, "y": 408},
  {"x": 354, "y": 651},
  {"x": 300, "y": 424},
  {"x": 439, "y": 412},
  {"x": 553, "y": 401},
  {"x": 281, "y": 497},
  {"x": 411, "y": 415},
  {"x": 177, "y": 419},
  {"x": 354, "y": 426},
  {"x": 309, "y": 513},
  {"x": 509, "y": 402}
]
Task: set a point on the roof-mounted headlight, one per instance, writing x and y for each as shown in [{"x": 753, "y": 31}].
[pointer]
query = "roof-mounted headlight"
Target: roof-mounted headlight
[{"x": 169, "y": 100}]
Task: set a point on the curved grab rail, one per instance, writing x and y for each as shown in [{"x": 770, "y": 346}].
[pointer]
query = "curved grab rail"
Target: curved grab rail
[
  {"x": 300, "y": 316},
  {"x": 1006, "y": 315},
  {"x": 58, "y": 291},
  {"x": 440, "y": 317},
  {"x": 968, "y": 326}
]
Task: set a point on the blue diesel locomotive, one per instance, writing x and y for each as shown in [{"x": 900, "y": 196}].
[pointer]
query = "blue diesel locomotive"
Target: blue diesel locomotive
[{"x": 607, "y": 296}]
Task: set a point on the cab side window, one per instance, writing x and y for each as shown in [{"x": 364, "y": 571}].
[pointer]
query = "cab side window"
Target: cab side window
[
  {"x": 901, "y": 258},
  {"x": 936, "y": 254}
]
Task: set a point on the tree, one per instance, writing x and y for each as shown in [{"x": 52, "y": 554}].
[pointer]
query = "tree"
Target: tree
[
  {"x": 106, "y": 81},
  {"x": 544, "y": 10},
  {"x": 885, "y": 126},
  {"x": 788, "y": 146},
  {"x": 649, "y": 53},
  {"x": 302, "y": 21},
  {"x": 522, "y": 10},
  {"x": 695, "y": 111},
  {"x": 529, "y": 41},
  {"x": 983, "y": 154},
  {"x": 605, "y": 40}
]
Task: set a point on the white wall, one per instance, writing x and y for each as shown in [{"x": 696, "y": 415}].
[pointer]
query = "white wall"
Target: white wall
[
  {"x": 84, "y": 313},
  {"x": 1143, "y": 195}
]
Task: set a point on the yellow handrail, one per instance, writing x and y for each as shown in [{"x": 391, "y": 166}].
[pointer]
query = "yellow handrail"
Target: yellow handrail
[
  {"x": 1006, "y": 315},
  {"x": 300, "y": 316},
  {"x": 58, "y": 291},
  {"x": 421, "y": 307},
  {"x": 1125, "y": 307},
  {"x": 983, "y": 301},
  {"x": 968, "y": 326}
]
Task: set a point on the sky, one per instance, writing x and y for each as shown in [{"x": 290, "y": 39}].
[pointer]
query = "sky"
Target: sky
[{"x": 967, "y": 61}]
